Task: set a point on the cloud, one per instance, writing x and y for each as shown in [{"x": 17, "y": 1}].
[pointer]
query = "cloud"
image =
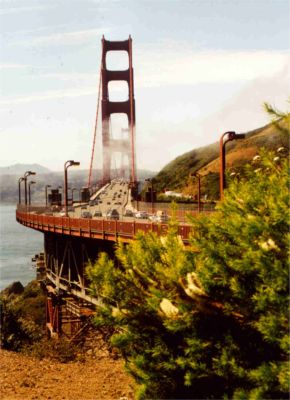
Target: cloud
[
  {"x": 58, "y": 94},
  {"x": 14, "y": 66},
  {"x": 169, "y": 66},
  {"x": 63, "y": 38},
  {"x": 71, "y": 77},
  {"x": 15, "y": 10},
  {"x": 8, "y": 66}
]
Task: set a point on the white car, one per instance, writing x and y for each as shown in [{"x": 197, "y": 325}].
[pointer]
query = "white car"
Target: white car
[{"x": 141, "y": 215}]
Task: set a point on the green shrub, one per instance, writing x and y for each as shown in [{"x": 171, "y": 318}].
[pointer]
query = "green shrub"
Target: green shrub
[
  {"x": 58, "y": 350},
  {"x": 22, "y": 317},
  {"x": 210, "y": 321}
]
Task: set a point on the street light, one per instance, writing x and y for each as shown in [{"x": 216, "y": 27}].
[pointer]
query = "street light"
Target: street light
[
  {"x": 225, "y": 138},
  {"x": 67, "y": 164},
  {"x": 27, "y": 173},
  {"x": 29, "y": 196},
  {"x": 46, "y": 186},
  {"x": 19, "y": 189}
]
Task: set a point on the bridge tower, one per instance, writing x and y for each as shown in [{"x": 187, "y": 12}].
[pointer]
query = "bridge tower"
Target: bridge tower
[{"x": 126, "y": 144}]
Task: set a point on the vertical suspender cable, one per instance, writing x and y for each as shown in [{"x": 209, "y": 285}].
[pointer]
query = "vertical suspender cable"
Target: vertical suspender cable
[
  {"x": 95, "y": 130},
  {"x": 132, "y": 127}
]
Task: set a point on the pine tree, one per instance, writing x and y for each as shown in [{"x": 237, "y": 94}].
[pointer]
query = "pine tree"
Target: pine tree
[{"x": 210, "y": 320}]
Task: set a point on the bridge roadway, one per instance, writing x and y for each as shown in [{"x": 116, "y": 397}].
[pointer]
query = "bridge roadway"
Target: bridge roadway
[{"x": 115, "y": 195}]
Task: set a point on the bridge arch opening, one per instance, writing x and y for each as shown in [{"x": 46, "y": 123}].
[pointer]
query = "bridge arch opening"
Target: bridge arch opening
[
  {"x": 118, "y": 91},
  {"x": 119, "y": 126},
  {"x": 117, "y": 60}
]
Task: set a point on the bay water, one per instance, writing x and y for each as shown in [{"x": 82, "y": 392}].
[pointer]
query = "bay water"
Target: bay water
[{"x": 18, "y": 245}]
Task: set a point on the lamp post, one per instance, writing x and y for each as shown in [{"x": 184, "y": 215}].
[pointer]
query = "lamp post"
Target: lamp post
[
  {"x": 27, "y": 173},
  {"x": 19, "y": 189},
  {"x": 225, "y": 138},
  {"x": 46, "y": 186},
  {"x": 29, "y": 195},
  {"x": 67, "y": 164}
]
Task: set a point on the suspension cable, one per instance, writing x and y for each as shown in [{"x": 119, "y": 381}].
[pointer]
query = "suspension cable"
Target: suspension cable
[
  {"x": 95, "y": 130},
  {"x": 132, "y": 127}
]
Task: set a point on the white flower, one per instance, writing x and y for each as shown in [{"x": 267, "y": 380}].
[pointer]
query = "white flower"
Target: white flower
[
  {"x": 276, "y": 159},
  {"x": 269, "y": 245},
  {"x": 168, "y": 308},
  {"x": 193, "y": 286},
  {"x": 256, "y": 158},
  {"x": 281, "y": 149}
]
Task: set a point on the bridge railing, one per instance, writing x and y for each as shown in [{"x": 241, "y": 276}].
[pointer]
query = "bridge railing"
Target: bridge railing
[
  {"x": 182, "y": 209},
  {"x": 96, "y": 228}
]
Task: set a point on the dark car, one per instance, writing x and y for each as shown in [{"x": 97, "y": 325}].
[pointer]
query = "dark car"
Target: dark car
[
  {"x": 86, "y": 214},
  {"x": 98, "y": 213},
  {"x": 112, "y": 214},
  {"x": 129, "y": 213}
]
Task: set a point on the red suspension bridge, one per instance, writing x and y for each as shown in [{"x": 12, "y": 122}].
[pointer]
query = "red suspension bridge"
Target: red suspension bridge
[{"x": 78, "y": 232}]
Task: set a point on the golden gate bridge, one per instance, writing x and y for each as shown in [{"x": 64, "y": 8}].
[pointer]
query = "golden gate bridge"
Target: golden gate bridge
[{"x": 78, "y": 232}]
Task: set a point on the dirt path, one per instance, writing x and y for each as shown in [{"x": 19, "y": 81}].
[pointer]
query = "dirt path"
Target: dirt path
[{"x": 26, "y": 378}]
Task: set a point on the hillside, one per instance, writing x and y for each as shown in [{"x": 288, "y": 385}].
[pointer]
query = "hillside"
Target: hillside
[
  {"x": 205, "y": 161},
  {"x": 17, "y": 169}
]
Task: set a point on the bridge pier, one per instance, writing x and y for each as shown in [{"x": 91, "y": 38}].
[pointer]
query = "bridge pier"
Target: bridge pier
[{"x": 69, "y": 305}]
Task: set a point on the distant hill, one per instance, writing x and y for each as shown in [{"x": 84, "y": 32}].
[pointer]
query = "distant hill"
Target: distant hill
[
  {"x": 76, "y": 179},
  {"x": 205, "y": 161},
  {"x": 19, "y": 169}
]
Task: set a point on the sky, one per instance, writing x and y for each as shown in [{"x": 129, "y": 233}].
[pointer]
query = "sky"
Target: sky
[{"x": 201, "y": 67}]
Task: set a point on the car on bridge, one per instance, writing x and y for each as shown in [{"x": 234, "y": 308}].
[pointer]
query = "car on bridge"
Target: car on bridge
[
  {"x": 141, "y": 215},
  {"x": 113, "y": 214},
  {"x": 128, "y": 213},
  {"x": 86, "y": 214},
  {"x": 161, "y": 216}
]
